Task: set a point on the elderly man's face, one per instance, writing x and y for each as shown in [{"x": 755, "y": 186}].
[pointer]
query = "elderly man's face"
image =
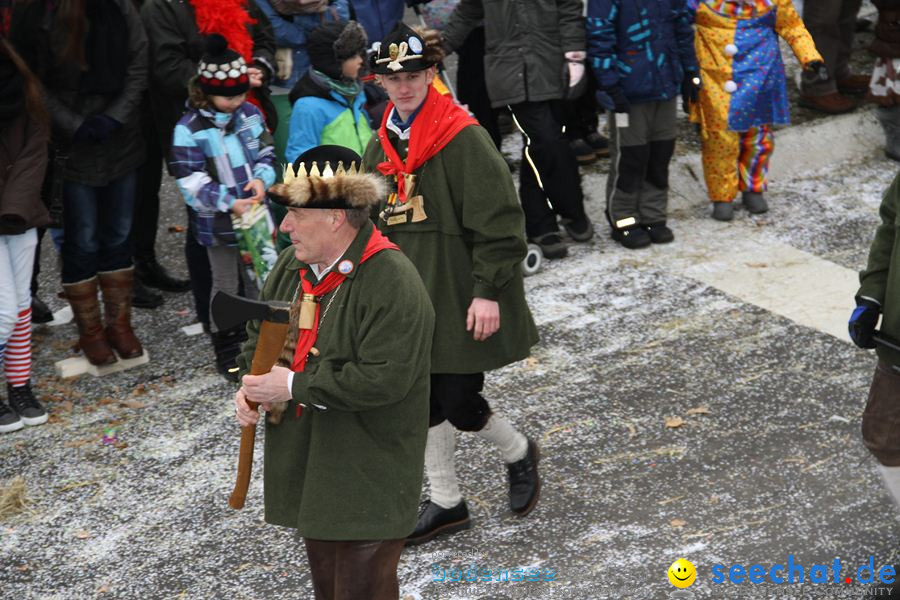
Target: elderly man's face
[{"x": 310, "y": 230}]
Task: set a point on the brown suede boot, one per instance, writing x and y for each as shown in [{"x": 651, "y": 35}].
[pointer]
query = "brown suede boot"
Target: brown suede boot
[
  {"x": 116, "y": 287},
  {"x": 86, "y": 309}
]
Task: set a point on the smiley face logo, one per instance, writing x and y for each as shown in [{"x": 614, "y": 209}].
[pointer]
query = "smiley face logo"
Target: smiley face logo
[{"x": 682, "y": 573}]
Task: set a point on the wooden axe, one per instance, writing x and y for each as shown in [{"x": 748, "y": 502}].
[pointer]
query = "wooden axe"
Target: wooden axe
[{"x": 230, "y": 311}]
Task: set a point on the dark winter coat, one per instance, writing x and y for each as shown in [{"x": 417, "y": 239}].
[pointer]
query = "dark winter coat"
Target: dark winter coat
[
  {"x": 880, "y": 280},
  {"x": 526, "y": 41},
  {"x": 23, "y": 159},
  {"x": 354, "y": 471},
  {"x": 40, "y": 37},
  {"x": 175, "y": 50},
  {"x": 471, "y": 245},
  {"x": 642, "y": 46},
  {"x": 887, "y": 30}
]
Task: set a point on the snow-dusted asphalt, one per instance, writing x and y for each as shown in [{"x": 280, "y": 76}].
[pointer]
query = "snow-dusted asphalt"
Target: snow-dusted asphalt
[{"x": 767, "y": 462}]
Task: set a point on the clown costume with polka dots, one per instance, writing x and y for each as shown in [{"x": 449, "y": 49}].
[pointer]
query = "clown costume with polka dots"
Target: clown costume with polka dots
[{"x": 743, "y": 92}]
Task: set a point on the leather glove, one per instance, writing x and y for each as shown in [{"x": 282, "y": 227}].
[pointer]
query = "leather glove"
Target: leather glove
[
  {"x": 818, "y": 70},
  {"x": 862, "y": 322},
  {"x": 690, "y": 90},
  {"x": 96, "y": 129},
  {"x": 614, "y": 99}
]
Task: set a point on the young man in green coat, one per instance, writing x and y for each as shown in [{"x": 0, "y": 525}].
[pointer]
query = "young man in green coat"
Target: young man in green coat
[
  {"x": 879, "y": 294},
  {"x": 345, "y": 437},
  {"x": 453, "y": 211}
]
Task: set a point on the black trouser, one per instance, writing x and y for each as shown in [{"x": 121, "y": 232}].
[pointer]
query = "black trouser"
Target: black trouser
[
  {"x": 470, "y": 86},
  {"x": 199, "y": 272},
  {"x": 548, "y": 170},
  {"x": 457, "y": 398},
  {"x": 145, "y": 218}
]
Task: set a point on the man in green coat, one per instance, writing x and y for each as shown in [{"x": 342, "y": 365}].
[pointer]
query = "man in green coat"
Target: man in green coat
[
  {"x": 879, "y": 294},
  {"x": 452, "y": 209},
  {"x": 348, "y": 399}
]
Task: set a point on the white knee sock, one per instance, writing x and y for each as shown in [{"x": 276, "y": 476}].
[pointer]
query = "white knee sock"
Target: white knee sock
[
  {"x": 440, "y": 466},
  {"x": 513, "y": 445},
  {"x": 891, "y": 477}
]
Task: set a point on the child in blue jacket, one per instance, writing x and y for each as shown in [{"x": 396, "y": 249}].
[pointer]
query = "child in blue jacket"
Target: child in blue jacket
[
  {"x": 329, "y": 101},
  {"x": 222, "y": 158},
  {"x": 642, "y": 52}
]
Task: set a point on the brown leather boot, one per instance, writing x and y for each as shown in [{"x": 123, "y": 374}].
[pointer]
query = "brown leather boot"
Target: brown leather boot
[
  {"x": 116, "y": 287},
  {"x": 855, "y": 85},
  {"x": 86, "y": 309},
  {"x": 833, "y": 104}
]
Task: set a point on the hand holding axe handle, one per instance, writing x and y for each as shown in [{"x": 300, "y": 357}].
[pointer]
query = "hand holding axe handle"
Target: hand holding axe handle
[{"x": 229, "y": 311}]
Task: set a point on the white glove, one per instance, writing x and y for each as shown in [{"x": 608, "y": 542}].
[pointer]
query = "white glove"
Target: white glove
[
  {"x": 575, "y": 61},
  {"x": 284, "y": 61}
]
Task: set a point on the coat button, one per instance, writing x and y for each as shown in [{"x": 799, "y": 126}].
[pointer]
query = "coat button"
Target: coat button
[
  {"x": 730, "y": 87},
  {"x": 731, "y": 49}
]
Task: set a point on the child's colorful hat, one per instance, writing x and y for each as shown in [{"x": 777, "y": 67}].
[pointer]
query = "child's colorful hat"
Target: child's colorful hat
[{"x": 222, "y": 71}]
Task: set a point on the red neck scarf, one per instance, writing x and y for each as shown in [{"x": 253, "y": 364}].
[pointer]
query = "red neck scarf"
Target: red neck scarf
[
  {"x": 377, "y": 242},
  {"x": 438, "y": 122}
]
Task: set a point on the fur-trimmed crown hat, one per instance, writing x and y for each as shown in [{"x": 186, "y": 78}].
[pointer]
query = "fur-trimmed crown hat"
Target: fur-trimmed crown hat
[
  {"x": 222, "y": 71},
  {"x": 327, "y": 177},
  {"x": 406, "y": 50}
]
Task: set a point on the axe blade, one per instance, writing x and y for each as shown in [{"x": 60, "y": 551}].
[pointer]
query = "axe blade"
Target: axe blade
[{"x": 229, "y": 310}]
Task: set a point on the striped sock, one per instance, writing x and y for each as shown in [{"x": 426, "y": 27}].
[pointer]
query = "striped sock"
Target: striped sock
[{"x": 18, "y": 351}]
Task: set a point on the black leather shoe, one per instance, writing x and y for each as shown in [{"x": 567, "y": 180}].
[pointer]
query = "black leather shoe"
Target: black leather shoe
[
  {"x": 435, "y": 521},
  {"x": 40, "y": 312},
  {"x": 144, "y": 297},
  {"x": 153, "y": 274},
  {"x": 524, "y": 482}
]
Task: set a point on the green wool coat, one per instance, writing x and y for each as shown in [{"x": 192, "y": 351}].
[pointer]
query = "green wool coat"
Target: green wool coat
[
  {"x": 471, "y": 245},
  {"x": 353, "y": 471},
  {"x": 881, "y": 278}
]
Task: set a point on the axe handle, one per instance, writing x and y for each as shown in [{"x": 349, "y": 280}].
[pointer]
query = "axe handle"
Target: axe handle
[{"x": 269, "y": 345}]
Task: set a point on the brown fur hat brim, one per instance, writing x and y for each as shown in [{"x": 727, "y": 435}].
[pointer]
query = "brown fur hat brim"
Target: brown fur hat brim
[{"x": 345, "y": 191}]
